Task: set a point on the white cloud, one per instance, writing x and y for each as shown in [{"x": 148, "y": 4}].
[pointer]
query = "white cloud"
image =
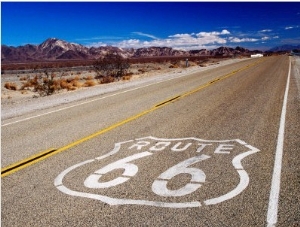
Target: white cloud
[
  {"x": 144, "y": 34},
  {"x": 131, "y": 43},
  {"x": 204, "y": 40},
  {"x": 206, "y": 34},
  {"x": 225, "y": 32},
  {"x": 266, "y": 30},
  {"x": 240, "y": 40},
  {"x": 289, "y": 27},
  {"x": 181, "y": 35},
  {"x": 190, "y": 41}
]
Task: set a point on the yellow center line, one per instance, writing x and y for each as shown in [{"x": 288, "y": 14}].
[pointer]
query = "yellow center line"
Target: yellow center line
[
  {"x": 50, "y": 152},
  {"x": 25, "y": 162}
]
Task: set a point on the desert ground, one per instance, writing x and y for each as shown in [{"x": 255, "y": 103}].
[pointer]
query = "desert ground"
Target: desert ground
[{"x": 18, "y": 99}]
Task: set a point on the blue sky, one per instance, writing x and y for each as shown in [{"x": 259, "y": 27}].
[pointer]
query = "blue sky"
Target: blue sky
[{"x": 181, "y": 25}]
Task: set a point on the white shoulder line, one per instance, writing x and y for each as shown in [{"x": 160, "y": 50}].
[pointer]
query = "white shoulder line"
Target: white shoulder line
[{"x": 275, "y": 187}]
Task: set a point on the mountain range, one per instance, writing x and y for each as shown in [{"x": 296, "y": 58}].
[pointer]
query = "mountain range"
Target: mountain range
[
  {"x": 56, "y": 49},
  {"x": 285, "y": 48}
]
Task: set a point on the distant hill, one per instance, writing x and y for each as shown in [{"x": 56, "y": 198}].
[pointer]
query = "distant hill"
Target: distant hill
[
  {"x": 285, "y": 48},
  {"x": 56, "y": 49}
]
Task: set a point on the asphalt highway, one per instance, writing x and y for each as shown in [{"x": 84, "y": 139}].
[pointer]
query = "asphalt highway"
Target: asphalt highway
[{"x": 214, "y": 148}]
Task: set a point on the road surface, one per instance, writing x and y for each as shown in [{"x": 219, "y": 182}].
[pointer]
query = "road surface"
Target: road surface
[{"x": 214, "y": 148}]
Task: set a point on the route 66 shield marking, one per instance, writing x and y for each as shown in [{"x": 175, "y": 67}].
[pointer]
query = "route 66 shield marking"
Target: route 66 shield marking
[{"x": 186, "y": 156}]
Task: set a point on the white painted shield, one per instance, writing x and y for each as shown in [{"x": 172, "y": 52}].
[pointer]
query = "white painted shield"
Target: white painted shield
[{"x": 195, "y": 153}]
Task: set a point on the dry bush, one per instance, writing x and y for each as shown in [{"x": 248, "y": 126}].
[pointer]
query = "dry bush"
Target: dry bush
[
  {"x": 89, "y": 77},
  {"x": 112, "y": 64},
  {"x": 106, "y": 80},
  {"x": 89, "y": 83},
  {"x": 26, "y": 85},
  {"x": 30, "y": 83},
  {"x": 72, "y": 79},
  {"x": 23, "y": 78},
  {"x": 69, "y": 84},
  {"x": 142, "y": 70},
  {"x": 175, "y": 66},
  {"x": 77, "y": 84},
  {"x": 127, "y": 77},
  {"x": 77, "y": 77},
  {"x": 44, "y": 85},
  {"x": 10, "y": 86},
  {"x": 56, "y": 85},
  {"x": 64, "y": 84},
  {"x": 72, "y": 88}
]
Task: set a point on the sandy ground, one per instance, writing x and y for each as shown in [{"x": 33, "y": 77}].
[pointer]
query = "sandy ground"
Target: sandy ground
[{"x": 17, "y": 102}]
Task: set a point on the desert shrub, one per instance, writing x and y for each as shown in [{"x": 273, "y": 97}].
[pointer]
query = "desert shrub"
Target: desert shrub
[
  {"x": 89, "y": 77},
  {"x": 89, "y": 83},
  {"x": 142, "y": 70},
  {"x": 173, "y": 66},
  {"x": 77, "y": 77},
  {"x": 64, "y": 84},
  {"x": 111, "y": 65},
  {"x": 77, "y": 84},
  {"x": 56, "y": 85},
  {"x": 69, "y": 84},
  {"x": 106, "y": 80},
  {"x": 127, "y": 76},
  {"x": 72, "y": 88},
  {"x": 44, "y": 85},
  {"x": 10, "y": 86},
  {"x": 30, "y": 83},
  {"x": 23, "y": 78}
]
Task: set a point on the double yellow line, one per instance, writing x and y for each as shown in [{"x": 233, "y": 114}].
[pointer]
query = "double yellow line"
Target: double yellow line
[{"x": 50, "y": 152}]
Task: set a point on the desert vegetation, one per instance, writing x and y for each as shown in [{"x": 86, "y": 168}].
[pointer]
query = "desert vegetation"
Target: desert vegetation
[
  {"x": 10, "y": 86},
  {"x": 44, "y": 79},
  {"x": 110, "y": 68},
  {"x": 48, "y": 81}
]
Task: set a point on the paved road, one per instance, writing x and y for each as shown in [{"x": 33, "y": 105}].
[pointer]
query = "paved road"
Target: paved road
[{"x": 209, "y": 149}]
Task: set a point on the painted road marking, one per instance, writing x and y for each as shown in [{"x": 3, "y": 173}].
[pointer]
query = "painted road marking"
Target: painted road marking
[
  {"x": 155, "y": 107},
  {"x": 275, "y": 187},
  {"x": 26, "y": 162},
  {"x": 149, "y": 149}
]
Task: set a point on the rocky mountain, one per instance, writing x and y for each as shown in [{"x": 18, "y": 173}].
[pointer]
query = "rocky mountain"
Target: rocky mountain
[
  {"x": 22, "y": 53},
  {"x": 56, "y": 49},
  {"x": 285, "y": 48}
]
